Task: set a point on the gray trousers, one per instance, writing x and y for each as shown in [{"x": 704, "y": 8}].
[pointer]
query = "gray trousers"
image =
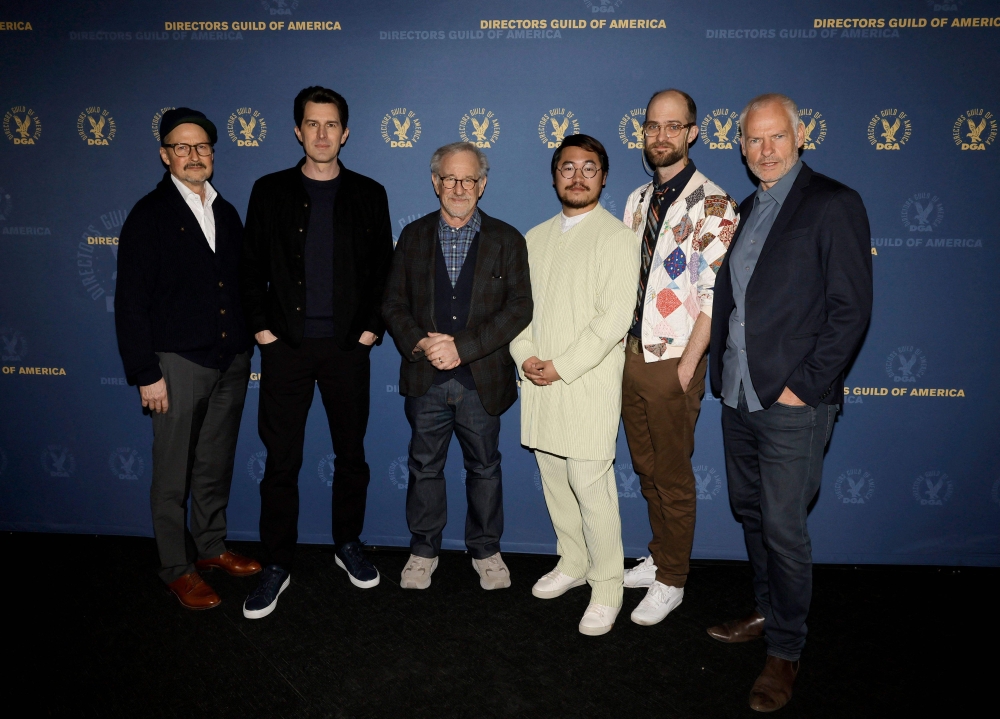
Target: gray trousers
[{"x": 194, "y": 444}]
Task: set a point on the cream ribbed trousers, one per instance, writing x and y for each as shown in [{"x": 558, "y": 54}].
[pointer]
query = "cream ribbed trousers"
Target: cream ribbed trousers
[{"x": 582, "y": 499}]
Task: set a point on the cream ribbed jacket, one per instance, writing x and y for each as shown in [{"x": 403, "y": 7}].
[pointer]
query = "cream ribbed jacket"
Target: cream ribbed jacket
[{"x": 583, "y": 284}]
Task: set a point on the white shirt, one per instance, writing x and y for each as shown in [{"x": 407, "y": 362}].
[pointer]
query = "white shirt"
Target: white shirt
[
  {"x": 568, "y": 223},
  {"x": 202, "y": 211}
]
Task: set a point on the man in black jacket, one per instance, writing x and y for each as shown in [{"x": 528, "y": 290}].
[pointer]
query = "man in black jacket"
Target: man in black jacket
[
  {"x": 183, "y": 340},
  {"x": 792, "y": 302},
  {"x": 459, "y": 292},
  {"x": 317, "y": 249}
]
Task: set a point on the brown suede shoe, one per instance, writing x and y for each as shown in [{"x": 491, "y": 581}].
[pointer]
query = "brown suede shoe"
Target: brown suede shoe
[
  {"x": 773, "y": 687},
  {"x": 193, "y": 593},
  {"x": 739, "y": 630},
  {"x": 231, "y": 562}
]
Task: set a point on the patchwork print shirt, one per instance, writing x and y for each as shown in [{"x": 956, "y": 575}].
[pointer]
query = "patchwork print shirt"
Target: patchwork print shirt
[{"x": 694, "y": 237}]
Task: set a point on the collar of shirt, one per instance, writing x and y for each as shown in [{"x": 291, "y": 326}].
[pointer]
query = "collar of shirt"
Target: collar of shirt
[
  {"x": 568, "y": 223},
  {"x": 779, "y": 191},
  {"x": 465, "y": 232},
  {"x": 188, "y": 195},
  {"x": 677, "y": 182}
]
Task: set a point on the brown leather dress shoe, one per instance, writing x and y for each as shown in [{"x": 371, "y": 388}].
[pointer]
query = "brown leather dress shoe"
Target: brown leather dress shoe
[
  {"x": 231, "y": 562},
  {"x": 739, "y": 630},
  {"x": 773, "y": 687},
  {"x": 193, "y": 592}
]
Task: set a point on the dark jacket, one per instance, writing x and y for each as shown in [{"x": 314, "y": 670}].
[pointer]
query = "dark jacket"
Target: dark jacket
[
  {"x": 810, "y": 297},
  {"x": 273, "y": 272},
  {"x": 174, "y": 294},
  {"x": 501, "y": 307}
]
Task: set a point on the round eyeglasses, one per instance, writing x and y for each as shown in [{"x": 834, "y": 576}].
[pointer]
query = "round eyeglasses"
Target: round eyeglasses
[
  {"x": 467, "y": 184},
  {"x": 568, "y": 170}
]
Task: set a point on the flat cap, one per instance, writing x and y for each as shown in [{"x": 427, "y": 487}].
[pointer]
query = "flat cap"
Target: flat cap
[{"x": 182, "y": 115}]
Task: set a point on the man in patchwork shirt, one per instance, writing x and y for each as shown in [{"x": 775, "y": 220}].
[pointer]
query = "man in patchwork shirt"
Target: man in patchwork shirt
[{"x": 685, "y": 223}]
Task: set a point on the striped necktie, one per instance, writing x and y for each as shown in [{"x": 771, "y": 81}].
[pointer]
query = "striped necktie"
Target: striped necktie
[{"x": 649, "y": 236}]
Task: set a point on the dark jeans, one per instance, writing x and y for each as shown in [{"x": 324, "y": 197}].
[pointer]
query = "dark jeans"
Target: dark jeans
[
  {"x": 194, "y": 444},
  {"x": 445, "y": 408},
  {"x": 288, "y": 379},
  {"x": 774, "y": 461}
]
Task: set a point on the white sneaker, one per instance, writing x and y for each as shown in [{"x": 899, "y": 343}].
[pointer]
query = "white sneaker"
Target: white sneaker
[
  {"x": 555, "y": 584},
  {"x": 659, "y": 601},
  {"x": 641, "y": 575},
  {"x": 493, "y": 573},
  {"x": 417, "y": 572},
  {"x": 598, "y": 619}
]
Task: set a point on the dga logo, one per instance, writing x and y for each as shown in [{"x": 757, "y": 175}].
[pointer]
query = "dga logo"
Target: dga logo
[
  {"x": 555, "y": 125},
  {"x": 945, "y": 5},
  {"x": 6, "y": 205},
  {"x": 906, "y": 364},
  {"x": 246, "y": 127},
  {"x": 325, "y": 470},
  {"x": 922, "y": 212},
  {"x": 485, "y": 127},
  {"x": 97, "y": 257},
  {"x": 538, "y": 480},
  {"x": 855, "y": 486},
  {"x": 994, "y": 494},
  {"x": 608, "y": 204},
  {"x": 707, "y": 482},
  {"x": 401, "y": 124},
  {"x": 975, "y": 129},
  {"x": 815, "y": 128},
  {"x": 15, "y": 347},
  {"x": 255, "y": 465},
  {"x": 399, "y": 473},
  {"x": 720, "y": 129},
  {"x": 892, "y": 126},
  {"x": 157, "y": 116},
  {"x": 630, "y": 128},
  {"x": 58, "y": 461},
  {"x": 96, "y": 126},
  {"x": 279, "y": 7},
  {"x": 22, "y": 126},
  {"x": 628, "y": 481},
  {"x": 933, "y": 488},
  {"x": 126, "y": 463},
  {"x": 603, "y": 6}
]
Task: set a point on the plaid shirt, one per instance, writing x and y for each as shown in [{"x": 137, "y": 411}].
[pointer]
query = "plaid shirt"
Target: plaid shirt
[{"x": 455, "y": 242}]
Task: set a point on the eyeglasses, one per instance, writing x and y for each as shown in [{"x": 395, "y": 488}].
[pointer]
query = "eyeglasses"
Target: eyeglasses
[
  {"x": 467, "y": 184},
  {"x": 181, "y": 150},
  {"x": 673, "y": 129},
  {"x": 568, "y": 170}
]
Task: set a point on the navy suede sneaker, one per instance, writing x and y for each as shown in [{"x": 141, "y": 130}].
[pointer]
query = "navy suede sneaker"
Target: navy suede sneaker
[
  {"x": 262, "y": 600},
  {"x": 352, "y": 560}
]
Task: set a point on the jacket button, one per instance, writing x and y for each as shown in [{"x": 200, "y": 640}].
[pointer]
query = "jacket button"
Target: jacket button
[
  {"x": 305, "y": 204},
  {"x": 298, "y": 309},
  {"x": 299, "y": 282},
  {"x": 222, "y": 311},
  {"x": 454, "y": 317},
  {"x": 223, "y": 335},
  {"x": 220, "y": 284},
  {"x": 300, "y": 229},
  {"x": 298, "y": 257},
  {"x": 182, "y": 229}
]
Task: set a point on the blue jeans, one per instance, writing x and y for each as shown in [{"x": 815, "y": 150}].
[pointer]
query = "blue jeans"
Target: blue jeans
[
  {"x": 774, "y": 462},
  {"x": 433, "y": 417}
]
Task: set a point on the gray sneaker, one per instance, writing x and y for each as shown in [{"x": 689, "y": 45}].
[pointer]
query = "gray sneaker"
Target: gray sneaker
[
  {"x": 417, "y": 572},
  {"x": 493, "y": 573}
]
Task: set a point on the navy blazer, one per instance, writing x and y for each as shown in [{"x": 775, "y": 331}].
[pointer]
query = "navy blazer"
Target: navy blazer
[{"x": 809, "y": 300}]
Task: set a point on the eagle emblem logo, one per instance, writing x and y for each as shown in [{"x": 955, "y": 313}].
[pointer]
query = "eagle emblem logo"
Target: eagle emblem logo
[
  {"x": 889, "y": 131},
  {"x": 23, "y": 126},
  {"x": 976, "y": 131},
  {"x": 481, "y": 128},
  {"x": 248, "y": 128},
  {"x": 401, "y": 129},
  {"x": 559, "y": 129},
  {"x": 722, "y": 131},
  {"x": 97, "y": 127},
  {"x": 637, "y": 132}
]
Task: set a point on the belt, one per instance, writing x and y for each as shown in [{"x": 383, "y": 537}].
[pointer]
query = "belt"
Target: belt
[{"x": 633, "y": 344}]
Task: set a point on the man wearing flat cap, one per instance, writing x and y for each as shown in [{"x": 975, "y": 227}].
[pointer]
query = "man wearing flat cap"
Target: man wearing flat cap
[{"x": 185, "y": 344}]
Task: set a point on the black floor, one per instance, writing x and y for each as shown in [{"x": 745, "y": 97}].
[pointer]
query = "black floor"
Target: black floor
[{"x": 92, "y": 632}]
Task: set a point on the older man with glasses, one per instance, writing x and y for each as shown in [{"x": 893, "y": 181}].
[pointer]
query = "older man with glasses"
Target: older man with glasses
[
  {"x": 184, "y": 342},
  {"x": 684, "y": 222},
  {"x": 457, "y": 294}
]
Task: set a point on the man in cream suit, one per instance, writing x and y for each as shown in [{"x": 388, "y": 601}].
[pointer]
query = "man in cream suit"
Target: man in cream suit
[{"x": 583, "y": 265}]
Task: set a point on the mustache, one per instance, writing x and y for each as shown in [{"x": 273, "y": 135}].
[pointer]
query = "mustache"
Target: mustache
[
  {"x": 191, "y": 165},
  {"x": 577, "y": 186}
]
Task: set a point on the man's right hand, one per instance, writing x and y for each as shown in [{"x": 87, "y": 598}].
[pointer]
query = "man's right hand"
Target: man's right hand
[
  {"x": 264, "y": 337},
  {"x": 154, "y": 396},
  {"x": 532, "y": 371}
]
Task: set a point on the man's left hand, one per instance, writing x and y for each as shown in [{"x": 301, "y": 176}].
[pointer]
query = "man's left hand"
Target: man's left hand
[
  {"x": 367, "y": 338},
  {"x": 789, "y": 399},
  {"x": 442, "y": 353},
  {"x": 685, "y": 373},
  {"x": 548, "y": 371}
]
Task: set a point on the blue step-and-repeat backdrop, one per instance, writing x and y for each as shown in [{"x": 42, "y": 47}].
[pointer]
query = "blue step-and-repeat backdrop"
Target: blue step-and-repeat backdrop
[{"x": 900, "y": 101}]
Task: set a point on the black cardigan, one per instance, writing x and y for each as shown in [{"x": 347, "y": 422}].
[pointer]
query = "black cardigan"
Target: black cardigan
[
  {"x": 273, "y": 272},
  {"x": 173, "y": 293}
]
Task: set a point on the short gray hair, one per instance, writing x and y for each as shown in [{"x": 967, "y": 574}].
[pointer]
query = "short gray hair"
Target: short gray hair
[
  {"x": 442, "y": 152},
  {"x": 766, "y": 99}
]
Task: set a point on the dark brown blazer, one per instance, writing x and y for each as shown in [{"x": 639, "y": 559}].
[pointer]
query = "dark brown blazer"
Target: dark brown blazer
[{"x": 501, "y": 307}]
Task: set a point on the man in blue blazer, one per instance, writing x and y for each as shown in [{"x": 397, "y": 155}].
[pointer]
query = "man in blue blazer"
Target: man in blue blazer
[{"x": 792, "y": 302}]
